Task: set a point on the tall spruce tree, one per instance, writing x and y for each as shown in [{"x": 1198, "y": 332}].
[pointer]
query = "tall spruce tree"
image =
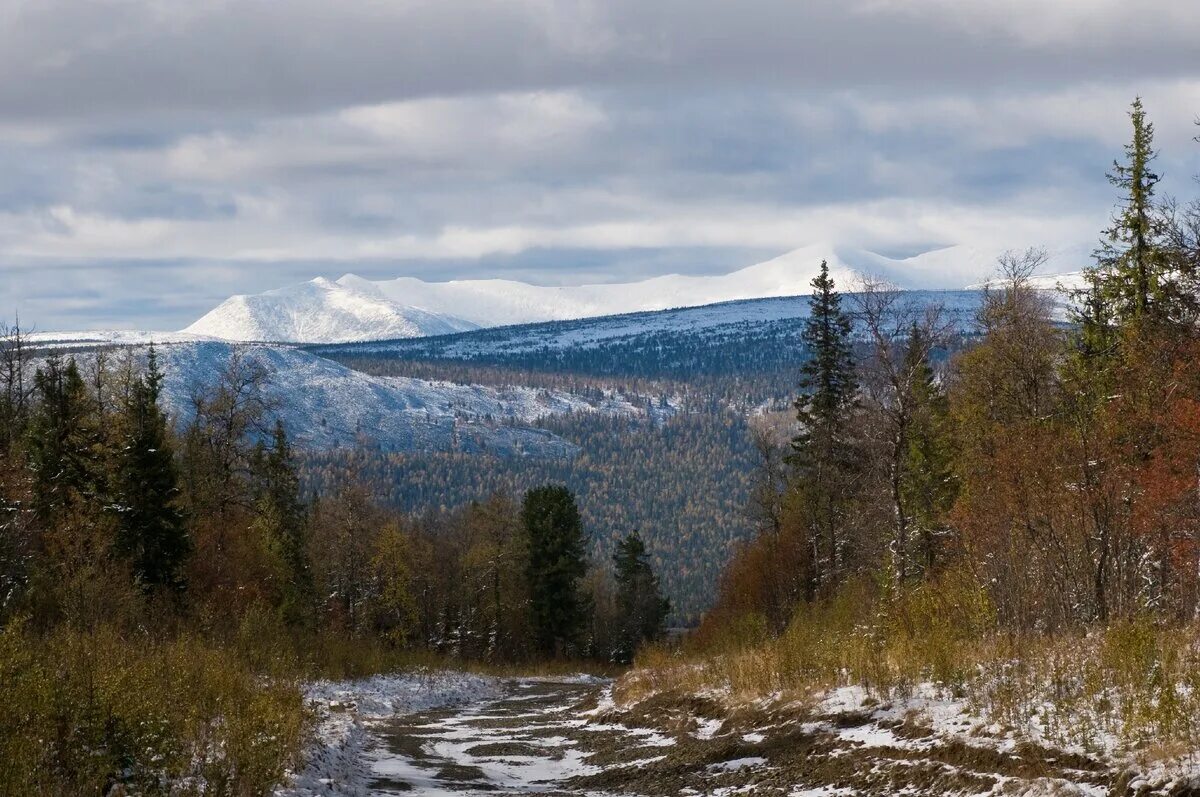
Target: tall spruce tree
[
  {"x": 283, "y": 522},
  {"x": 151, "y": 533},
  {"x": 1129, "y": 281},
  {"x": 641, "y": 608},
  {"x": 823, "y": 452},
  {"x": 556, "y": 564}
]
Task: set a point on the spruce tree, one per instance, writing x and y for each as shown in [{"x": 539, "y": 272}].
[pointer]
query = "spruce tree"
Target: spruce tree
[
  {"x": 556, "y": 564},
  {"x": 62, "y": 442},
  {"x": 151, "y": 533},
  {"x": 823, "y": 452},
  {"x": 641, "y": 608},
  {"x": 283, "y": 522},
  {"x": 1130, "y": 277}
]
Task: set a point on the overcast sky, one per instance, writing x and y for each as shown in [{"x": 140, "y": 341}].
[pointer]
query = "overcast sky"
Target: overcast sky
[{"x": 157, "y": 156}]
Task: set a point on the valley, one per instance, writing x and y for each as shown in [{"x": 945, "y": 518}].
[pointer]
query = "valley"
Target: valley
[{"x": 647, "y": 417}]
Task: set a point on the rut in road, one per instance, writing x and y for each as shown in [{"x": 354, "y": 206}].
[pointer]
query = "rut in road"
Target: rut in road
[{"x": 533, "y": 739}]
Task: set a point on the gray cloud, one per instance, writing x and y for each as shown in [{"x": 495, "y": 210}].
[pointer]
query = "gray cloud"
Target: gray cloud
[
  {"x": 66, "y": 58},
  {"x": 158, "y": 155}
]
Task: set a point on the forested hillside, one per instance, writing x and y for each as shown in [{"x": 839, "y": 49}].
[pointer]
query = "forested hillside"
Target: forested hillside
[
  {"x": 683, "y": 478},
  {"x": 683, "y": 484}
]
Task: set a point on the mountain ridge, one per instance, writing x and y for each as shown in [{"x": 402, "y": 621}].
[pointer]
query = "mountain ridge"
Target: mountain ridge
[{"x": 353, "y": 309}]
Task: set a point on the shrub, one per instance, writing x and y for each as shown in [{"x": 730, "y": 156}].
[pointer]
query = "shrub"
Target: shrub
[{"x": 86, "y": 711}]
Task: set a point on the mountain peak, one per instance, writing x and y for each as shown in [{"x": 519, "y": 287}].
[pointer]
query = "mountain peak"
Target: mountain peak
[{"x": 320, "y": 311}]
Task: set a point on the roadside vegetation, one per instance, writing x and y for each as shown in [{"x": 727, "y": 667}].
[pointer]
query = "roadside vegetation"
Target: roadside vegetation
[{"x": 1013, "y": 524}]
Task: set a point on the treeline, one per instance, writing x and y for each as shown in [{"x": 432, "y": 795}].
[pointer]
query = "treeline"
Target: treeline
[
  {"x": 137, "y": 557},
  {"x": 1054, "y": 468}
]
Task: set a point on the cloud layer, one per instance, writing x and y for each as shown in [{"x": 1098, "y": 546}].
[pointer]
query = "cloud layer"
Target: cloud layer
[{"x": 158, "y": 155}]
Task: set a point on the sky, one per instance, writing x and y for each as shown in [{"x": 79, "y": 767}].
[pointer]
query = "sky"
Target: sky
[{"x": 157, "y": 156}]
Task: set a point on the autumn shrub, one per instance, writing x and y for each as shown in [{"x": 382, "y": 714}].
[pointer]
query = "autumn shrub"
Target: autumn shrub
[
  {"x": 88, "y": 711},
  {"x": 932, "y": 628}
]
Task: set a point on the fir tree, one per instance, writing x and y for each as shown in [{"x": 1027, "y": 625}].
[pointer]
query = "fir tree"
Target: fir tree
[
  {"x": 283, "y": 522},
  {"x": 555, "y": 566},
  {"x": 641, "y": 608},
  {"x": 151, "y": 533},
  {"x": 823, "y": 453}
]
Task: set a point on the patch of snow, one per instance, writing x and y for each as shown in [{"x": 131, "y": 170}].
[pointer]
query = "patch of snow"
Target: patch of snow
[
  {"x": 708, "y": 728},
  {"x": 117, "y": 337},
  {"x": 334, "y": 763},
  {"x": 736, "y": 764},
  {"x": 325, "y": 405}
]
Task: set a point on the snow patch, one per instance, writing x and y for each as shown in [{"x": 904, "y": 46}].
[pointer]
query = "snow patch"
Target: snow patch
[{"x": 335, "y": 765}]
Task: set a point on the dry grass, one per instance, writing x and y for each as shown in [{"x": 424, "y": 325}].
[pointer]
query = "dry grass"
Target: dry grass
[
  {"x": 1130, "y": 688},
  {"x": 87, "y": 710}
]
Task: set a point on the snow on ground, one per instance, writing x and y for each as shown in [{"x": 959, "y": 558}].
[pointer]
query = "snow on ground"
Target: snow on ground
[
  {"x": 389, "y": 735},
  {"x": 91, "y": 339},
  {"x": 737, "y": 763},
  {"x": 335, "y": 764}
]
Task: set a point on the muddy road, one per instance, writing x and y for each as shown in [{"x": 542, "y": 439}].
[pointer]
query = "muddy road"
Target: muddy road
[{"x": 556, "y": 738}]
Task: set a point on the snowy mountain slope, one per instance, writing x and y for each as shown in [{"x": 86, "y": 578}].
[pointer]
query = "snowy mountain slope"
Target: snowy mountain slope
[
  {"x": 356, "y": 309},
  {"x": 1059, "y": 284},
  {"x": 320, "y": 311},
  {"x": 325, "y": 405},
  {"x": 500, "y": 302},
  {"x": 700, "y": 324}
]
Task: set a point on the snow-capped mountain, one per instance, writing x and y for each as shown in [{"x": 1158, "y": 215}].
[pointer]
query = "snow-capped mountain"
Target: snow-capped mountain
[
  {"x": 356, "y": 309},
  {"x": 321, "y": 311},
  {"x": 497, "y": 302}
]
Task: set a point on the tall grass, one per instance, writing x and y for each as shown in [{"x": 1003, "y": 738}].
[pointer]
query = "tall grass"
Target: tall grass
[
  {"x": 86, "y": 711},
  {"x": 1133, "y": 686}
]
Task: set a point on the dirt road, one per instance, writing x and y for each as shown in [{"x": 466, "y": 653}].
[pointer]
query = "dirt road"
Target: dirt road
[{"x": 560, "y": 738}]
